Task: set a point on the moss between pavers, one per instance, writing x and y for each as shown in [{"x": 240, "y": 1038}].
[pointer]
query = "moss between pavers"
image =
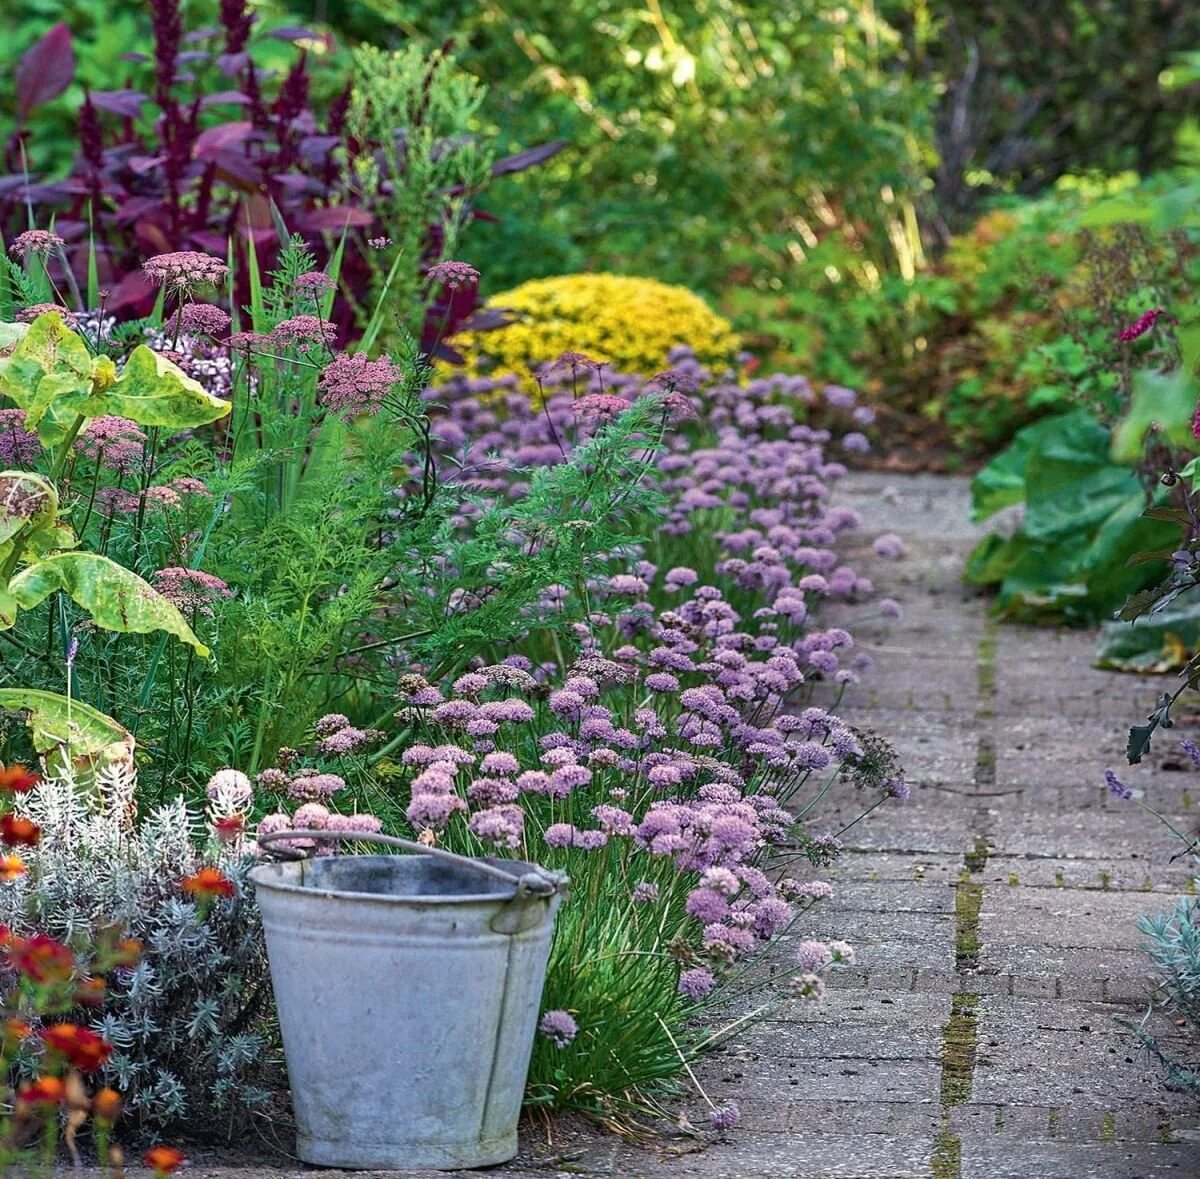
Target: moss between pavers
[{"x": 958, "y": 1050}]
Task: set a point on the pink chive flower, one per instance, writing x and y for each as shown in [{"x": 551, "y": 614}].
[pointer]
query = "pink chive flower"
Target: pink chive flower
[
  {"x": 1141, "y": 325},
  {"x": 889, "y": 546},
  {"x": 499, "y": 825},
  {"x": 354, "y": 384},
  {"x": 311, "y": 784},
  {"x": 453, "y": 274},
  {"x": 696, "y": 984},
  {"x": 185, "y": 268},
  {"x": 558, "y": 1026},
  {"x": 724, "y": 1117},
  {"x": 38, "y": 242}
]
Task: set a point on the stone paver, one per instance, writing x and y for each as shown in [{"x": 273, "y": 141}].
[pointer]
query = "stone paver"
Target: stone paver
[{"x": 993, "y": 917}]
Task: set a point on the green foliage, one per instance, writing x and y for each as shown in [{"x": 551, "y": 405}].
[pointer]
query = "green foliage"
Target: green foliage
[
  {"x": 1031, "y": 92},
  {"x": 1173, "y": 943},
  {"x": 1081, "y": 523}
]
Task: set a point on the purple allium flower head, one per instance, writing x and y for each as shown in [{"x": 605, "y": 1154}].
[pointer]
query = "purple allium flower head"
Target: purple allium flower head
[
  {"x": 724, "y": 1117},
  {"x": 309, "y": 783},
  {"x": 889, "y": 546},
  {"x": 558, "y": 1026},
  {"x": 330, "y": 723},
  {"x": 706, "y": 905},
  {"x": 500, "y": 763},
  {"x": 813, "y": 956},
  {"x": 696, "y": 984},
  {"x": 499, "y": 825},
  {"x": 645, "y": 892}
]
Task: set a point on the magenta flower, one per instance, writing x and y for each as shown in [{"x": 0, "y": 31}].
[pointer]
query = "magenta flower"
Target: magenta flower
[{"x": 1141, "y": 325}]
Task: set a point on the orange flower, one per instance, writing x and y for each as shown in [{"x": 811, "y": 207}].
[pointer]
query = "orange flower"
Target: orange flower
[
  {"x": 17, "y": 1029},
  {"x": 164, "y": 1160},
  {"x": 11, "y": 868},
  {"x": 107, "y": 1105},
  {"x": 16, "y": 831},
  {"x": 209, "y": 882},
  {"x": 83, "y": 1049},
  {"x": 43, "y": 1091},
  {"x": 90, "y": 992},
  {"x": 17, "y": 779},
  {"x": 41, "y": 958}
]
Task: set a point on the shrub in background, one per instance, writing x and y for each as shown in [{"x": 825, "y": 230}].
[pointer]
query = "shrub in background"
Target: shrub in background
[{"x": 630, "y": 324}]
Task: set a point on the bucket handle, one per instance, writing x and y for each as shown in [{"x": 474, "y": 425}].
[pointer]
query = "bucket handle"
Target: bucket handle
[{"x": 540, "y": 882}]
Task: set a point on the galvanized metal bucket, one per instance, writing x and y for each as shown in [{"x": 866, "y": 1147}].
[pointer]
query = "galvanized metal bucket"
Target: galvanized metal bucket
[{"x": 408, "y": 990}]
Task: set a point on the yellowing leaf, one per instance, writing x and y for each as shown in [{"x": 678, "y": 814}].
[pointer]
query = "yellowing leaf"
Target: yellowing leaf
[
  {"x": 116, "y": 599},
  {"x": 153, "y": 391},
  {"x": 48, "y": 374},
  {"x": 75, "y": 731}
]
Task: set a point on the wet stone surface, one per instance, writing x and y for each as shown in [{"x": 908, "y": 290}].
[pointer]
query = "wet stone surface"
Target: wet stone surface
[{"x": 993, "y": 916}]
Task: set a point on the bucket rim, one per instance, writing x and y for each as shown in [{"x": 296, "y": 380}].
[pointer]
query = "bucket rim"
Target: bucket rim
[{"x": 262, "y": 881}]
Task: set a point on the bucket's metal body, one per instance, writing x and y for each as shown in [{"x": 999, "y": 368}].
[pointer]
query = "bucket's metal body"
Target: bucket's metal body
[{"x": 408, "y": 991}]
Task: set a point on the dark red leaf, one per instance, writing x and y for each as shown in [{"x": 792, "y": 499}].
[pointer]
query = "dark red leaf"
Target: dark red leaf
[
  {"x": 134, "y": 288},
  {"x": 225, "y": 98},
  {"x": 126, "y": 103},
  {"x": 529, "y": 158},
  {"x": 46, "y": 69},
  {"x": 336, "y": 217},
  {"x": 235, "y": 169},
  {"x": 293, "y": 33},
  {"x": 231, "y": 63},
  {"x": 211, "y": 143}
]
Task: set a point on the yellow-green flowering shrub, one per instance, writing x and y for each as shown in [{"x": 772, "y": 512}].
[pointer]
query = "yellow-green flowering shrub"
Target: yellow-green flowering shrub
[{"x": 630, "y": 323}]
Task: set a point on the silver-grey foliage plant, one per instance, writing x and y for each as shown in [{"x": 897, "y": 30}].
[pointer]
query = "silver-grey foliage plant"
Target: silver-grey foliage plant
[{"x": 190, "y": 1047}]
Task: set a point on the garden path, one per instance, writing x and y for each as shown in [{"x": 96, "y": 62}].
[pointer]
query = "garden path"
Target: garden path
[{"x": 993, "y": 917}]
